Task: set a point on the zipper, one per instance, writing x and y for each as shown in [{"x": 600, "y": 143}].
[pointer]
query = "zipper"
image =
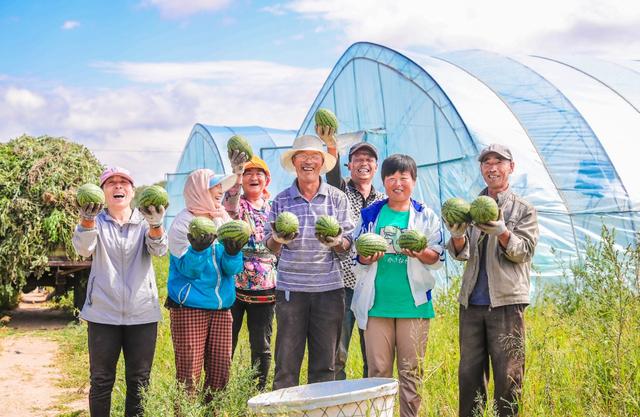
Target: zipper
[
  {"x": 93, "y": 280},
  {"x": 151, "y": 292},
  {"x": 217, "y": 287},
  {"x": 181, "y": 300}
]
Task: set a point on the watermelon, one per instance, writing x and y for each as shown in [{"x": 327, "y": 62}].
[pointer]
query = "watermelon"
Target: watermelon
[
  {"x": 237, "y": 142},
  {"x": 370, "y": 243},
  {"x": 235, "y": 230},
  {"x": 456, "y": 210},
  {"x": 286, "y": 223},
  {"x": 484, "y": 209},
  {"x": 325, "y": 117},
  {"x": 154, "y": 196},
  {"x": 201, "y": 226},
  {"x": 89, "y": 193},
  {"x": 327, "y": 226},
  {"x": 412, "y": 240}
]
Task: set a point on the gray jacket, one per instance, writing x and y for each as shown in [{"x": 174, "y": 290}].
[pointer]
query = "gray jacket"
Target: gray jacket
[
  {"x": 122, "y": 284},
  {"x": 507, "y": 269}
]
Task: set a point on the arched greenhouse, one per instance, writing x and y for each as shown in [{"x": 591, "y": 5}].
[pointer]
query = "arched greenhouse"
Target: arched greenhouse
[
  {"x": 207, "y": 148},
  {"x": 570, "y": 123}
]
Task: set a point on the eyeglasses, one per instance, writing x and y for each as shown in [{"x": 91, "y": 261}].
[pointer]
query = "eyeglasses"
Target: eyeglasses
[
  {"x": 313, "y": 157},
  {"x": 259, "y": 174}
]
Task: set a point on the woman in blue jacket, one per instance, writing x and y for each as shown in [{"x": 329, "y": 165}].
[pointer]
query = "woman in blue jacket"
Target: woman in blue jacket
[
  {"x": 392, "y": 298},
  {"x": 201, "y": 286}
]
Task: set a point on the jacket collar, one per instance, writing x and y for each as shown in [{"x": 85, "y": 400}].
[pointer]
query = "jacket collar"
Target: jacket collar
[{"x": 136, "y": 217}]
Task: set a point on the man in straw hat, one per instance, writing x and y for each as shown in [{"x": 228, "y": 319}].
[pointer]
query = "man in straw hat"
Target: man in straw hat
[{"x": 309, "y": 290}]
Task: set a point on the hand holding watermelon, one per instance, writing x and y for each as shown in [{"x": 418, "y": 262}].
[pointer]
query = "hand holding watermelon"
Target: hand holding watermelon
[
  {"x": 232, "y": 247},
  {"x": 368, "y": 260},
  {"x": 457, "y": 230},
  {"x": 201, "y": 242},
  {"x": 326, "y": 126},
  {"x": 90, "y": 210},
  {"x": 493, "y": 227},
  {"x": 282, "y": 238},
  {"x": 238, "y": 159},
  {"x": 330, "y": 241},
  {"x": 153, "y": 215}
]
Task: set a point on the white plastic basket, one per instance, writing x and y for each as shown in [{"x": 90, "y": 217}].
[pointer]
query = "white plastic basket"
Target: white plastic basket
[{"x": 367, "y": 397}]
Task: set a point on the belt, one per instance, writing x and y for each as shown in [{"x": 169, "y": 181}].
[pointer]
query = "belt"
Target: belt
[{"x": 256, "y": 299}]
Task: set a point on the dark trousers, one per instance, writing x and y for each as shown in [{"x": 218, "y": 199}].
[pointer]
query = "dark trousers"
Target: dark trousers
[
  {"x": 342, "y": 351},
  {"x": 259, "y": 323},
  {"x": 138, "y": 344},
  {"x": 491, "y": 337},
  {"x": 313, "y": 318}
]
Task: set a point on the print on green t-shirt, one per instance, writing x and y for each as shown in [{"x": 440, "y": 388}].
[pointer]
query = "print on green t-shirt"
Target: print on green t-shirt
[{"x": 393, "y": 298}]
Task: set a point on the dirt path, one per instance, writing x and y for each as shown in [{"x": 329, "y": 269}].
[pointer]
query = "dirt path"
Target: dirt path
[{"x": 29, "y": 374}]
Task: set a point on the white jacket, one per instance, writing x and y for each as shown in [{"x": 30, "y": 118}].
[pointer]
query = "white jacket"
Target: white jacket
[{"x": 421, "y": 279}]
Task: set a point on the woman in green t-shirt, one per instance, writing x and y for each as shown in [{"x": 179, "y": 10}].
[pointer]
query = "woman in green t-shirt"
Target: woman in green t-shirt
[{"x": 392, "y": 298}]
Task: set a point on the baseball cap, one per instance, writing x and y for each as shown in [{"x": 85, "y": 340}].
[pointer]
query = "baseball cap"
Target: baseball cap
[
  {"x": 363, "y": 146},
  {"x": 501, "y": 150},
  {"x": 113, "y": 171},
  {"x": 227, "y": 181}
]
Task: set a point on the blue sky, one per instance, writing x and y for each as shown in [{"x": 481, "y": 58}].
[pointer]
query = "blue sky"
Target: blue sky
[{"x": 130, "y": 78}]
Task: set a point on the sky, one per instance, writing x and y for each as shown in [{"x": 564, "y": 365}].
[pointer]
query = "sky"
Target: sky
[{"x": 129, "y": 79}]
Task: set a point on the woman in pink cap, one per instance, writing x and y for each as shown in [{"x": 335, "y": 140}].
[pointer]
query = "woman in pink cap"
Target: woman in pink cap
[
  {"x": 121, "y": 307},
  {"x": 201, "y": 285}
]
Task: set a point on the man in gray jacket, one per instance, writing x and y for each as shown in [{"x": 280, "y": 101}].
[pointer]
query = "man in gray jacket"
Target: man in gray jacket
[{"x": 495, "y": 291}]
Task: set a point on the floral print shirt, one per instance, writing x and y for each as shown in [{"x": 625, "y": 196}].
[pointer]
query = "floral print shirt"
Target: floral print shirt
[{"x": 259, "y": 271}]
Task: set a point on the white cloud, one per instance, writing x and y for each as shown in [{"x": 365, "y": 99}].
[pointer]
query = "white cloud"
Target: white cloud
[
  {"x": 145, "y": 127},
  {"x": 70, "y": 24},
  {"x": 176, "y": 9},
  {"x": 22, "y": 99},
  {"x": 492, "y": 24},
  {"x": 276, "y": 9}
]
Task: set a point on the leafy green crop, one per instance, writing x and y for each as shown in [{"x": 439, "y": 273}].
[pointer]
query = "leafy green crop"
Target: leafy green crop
[{"x": 38, "y": 179}]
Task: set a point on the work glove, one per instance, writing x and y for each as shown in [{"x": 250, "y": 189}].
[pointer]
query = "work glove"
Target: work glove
[
  {"x": 327, "y": 134},
  {"x": 493, "y": 228},
  {"x": 283, "y": 239},
  {"x": 90, "y": 210},
  {"x": 237, "y": 159},
  {"x": 153, "y": 215},
  {"x": 201, "y": 243},
  {"x": 232, "y": 247},
  {"x": 330, "y": 241},
  {"x": 457, "y": 230}
]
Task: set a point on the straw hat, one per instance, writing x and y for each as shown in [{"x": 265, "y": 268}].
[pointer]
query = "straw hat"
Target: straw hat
[{"x": 307, "y": 143}]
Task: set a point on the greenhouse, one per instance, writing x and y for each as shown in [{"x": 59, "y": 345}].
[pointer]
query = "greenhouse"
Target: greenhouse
[
  {"x": 206, "y": 147},
  {"x": 569, "y": 122}
]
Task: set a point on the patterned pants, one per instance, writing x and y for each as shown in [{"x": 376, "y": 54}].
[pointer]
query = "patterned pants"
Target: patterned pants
[{"x": 202, "y": 337}]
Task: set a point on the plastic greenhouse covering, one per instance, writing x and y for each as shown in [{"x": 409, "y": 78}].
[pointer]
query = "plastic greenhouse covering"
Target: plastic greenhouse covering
[
  {"x": 569, "y": 121},
  {"x": 207, "y": 148}
]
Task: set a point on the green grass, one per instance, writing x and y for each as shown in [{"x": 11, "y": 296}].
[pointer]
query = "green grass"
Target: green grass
[{"x": 582, "y": 350}]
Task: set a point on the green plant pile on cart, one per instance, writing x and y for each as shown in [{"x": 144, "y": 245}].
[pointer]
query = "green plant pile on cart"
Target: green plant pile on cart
[{"x": 38, "y": 179}]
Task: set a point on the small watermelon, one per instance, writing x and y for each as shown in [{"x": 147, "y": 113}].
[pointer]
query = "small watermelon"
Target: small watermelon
[
  {"x": 89, "y": 193},
  {"x": 412, "y": 240},
  {"x": 327, "y": 226},
  {"x": 456, "y": 210},
  {"x": 370, "y": 243},
  {"x": 201, "y": 226},
  {"x": 235, "y": 230},
  {"x": 484, "y": 209},
  {"x": 325, "y": 117},
  {"x": 154, "y": 196},
  {"x": 237, "y": 142},
  {"x": 287, "y": 223}
]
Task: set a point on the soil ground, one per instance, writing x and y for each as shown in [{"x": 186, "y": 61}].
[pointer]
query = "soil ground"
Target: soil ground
[{"x": 29, "y": 372}]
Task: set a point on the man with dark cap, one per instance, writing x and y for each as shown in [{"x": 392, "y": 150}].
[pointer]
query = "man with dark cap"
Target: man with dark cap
[
  {"x": 494, "y": 291},
  {"x": 363, "y": 164}
]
